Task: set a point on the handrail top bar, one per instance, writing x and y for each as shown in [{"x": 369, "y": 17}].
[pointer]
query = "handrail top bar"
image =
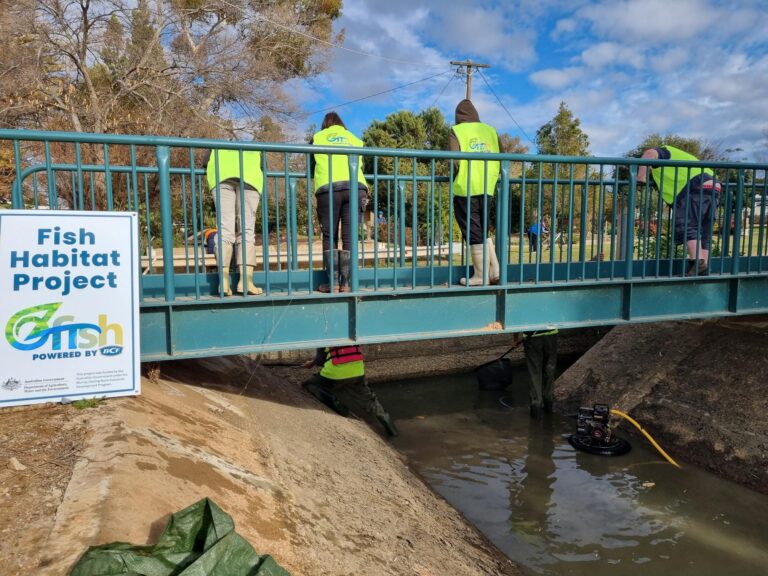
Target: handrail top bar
[{"x": 206, "y": 143}]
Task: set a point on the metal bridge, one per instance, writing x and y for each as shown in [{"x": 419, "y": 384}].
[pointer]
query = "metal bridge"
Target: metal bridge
[{"x": 608, "y": 259}]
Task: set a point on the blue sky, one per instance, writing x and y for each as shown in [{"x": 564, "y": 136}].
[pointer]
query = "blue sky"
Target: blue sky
[{"x": 626, "y": 68}]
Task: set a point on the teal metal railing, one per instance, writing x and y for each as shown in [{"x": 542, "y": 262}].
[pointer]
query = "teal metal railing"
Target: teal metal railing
[{"x": 603, "y": 225}]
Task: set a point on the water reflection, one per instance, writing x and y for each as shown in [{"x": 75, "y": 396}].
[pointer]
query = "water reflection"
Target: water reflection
[{"x": 557, "y": 511}]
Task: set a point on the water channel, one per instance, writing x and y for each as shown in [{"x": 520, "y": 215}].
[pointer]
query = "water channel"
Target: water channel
[{"x": 557, "y": 511}]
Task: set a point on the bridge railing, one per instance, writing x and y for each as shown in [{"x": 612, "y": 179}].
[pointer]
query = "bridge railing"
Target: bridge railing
[{"x": 602, "y": 224}]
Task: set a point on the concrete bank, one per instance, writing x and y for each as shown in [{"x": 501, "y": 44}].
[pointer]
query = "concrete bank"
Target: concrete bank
[
  {"x": 698, "y": 387},
  {"x": 321, "y": 493}
]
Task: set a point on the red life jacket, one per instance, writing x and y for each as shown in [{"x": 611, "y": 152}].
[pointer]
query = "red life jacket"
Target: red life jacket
[{"x": 345, "y": 354}]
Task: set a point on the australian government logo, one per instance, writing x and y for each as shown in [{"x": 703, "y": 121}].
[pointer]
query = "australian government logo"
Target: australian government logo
[
  {"x": 10, "y": 384},
  {"x": 48, "y": 336}
]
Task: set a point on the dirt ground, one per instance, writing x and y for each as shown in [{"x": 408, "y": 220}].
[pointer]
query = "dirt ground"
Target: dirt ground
[
  {"x": 39, "y": 446},
  {"x": 698, "y": 387}
]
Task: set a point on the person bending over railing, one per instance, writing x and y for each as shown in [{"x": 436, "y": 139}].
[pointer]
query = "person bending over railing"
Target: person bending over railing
[{"x": 694, "y": 194}]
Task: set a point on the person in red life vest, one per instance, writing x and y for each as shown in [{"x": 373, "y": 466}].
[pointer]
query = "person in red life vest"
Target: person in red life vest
[{"x": 341, "y": 383}]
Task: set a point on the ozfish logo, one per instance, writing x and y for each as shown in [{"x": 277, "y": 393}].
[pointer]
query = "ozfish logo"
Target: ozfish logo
[
  {"x": 477, "y": 145},
  {"x": 39, "y": 329},
  {"x": 338, "y": 139}
]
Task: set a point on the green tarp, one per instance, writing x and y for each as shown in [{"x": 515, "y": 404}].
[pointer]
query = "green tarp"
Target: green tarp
[{"x": 198, "y": 541}]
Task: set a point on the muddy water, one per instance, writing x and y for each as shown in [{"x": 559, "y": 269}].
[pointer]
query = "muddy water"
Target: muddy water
[{"x": 557, "y": 511}]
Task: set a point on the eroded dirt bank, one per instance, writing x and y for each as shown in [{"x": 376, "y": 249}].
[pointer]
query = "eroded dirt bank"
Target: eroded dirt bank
[
  {"x": 700, "y": 388},
  {"x": 322, "y": 494}
]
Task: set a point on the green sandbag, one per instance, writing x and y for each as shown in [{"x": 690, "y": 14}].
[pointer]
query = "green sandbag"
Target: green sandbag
[{"x": 198, "y": 541}]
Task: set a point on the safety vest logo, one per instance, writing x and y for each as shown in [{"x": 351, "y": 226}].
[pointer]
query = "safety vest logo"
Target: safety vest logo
[
  {"x": 477, "y": 145},
  {"x": 338, "y": 139},
  {"x": 35, "y": 327}
]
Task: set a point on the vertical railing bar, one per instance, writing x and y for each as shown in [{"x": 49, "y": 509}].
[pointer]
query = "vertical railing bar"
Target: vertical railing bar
[
  {"x": 220, "y": 265},
  {"x": 185, "y": 228},
  {"x": 521, "y": 233},
  {"x": 195, "y": 231},
  {"x": 375, "y": 184},
  {"x": 79, "y": 176},
  {"x": 310, "y": 222},
  {"x": 354, "y": 224},
  {"x": 502, "y": 230},
  {"x": 450, "y": 220},
  {"x": 166, "y": 223},
  {"x": 264, "y": 222},
  {"x": 53, "y": 199},
  {"x": 583, "y": 224},
  {"x": 414, "y": 224},
  {"x": 108, "y": 179}
]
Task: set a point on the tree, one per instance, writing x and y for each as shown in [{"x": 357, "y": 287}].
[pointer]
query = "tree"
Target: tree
[
  {"x": 180, "y": 67},
  {"x": 426, "y": 130},
  {"x": 561, "y": 136}
]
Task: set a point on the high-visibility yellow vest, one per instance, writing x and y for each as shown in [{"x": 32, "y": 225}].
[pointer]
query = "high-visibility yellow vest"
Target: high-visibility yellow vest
[
  {"x": 229, "y": 167},
  {"x": 343, "y": 362},
  {"x": 338, "y": 167},
  {"x": 478, "y": 176},
  {"x": 672, "y": 179}
]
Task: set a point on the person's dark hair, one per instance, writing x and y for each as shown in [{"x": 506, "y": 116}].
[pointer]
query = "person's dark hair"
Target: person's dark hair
[{"x": 332, "y": 119}]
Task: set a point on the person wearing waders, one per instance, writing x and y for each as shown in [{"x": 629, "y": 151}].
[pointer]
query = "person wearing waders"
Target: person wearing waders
[
  {"x": 694, "y": 194},
  {"x": 341, "y": 384},
  {"x": 474, "y": 189},
  {"x": 541, "y": 357},
  {"x": 332, "y": 184}
]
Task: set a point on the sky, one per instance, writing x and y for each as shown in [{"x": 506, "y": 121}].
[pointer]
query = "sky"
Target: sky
[{"x": 625, "y": 68}]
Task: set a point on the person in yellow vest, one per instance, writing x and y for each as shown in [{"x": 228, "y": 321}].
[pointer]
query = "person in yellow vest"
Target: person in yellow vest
[
  {"x": 226, "y": 172},
  {"x": 541, "y": 357},
  {"x": 474, "y": 189},
  {"x": 694, "y": 194},
  {"x": 332, "y": 185},
  {"x": 341, "y": 383}
]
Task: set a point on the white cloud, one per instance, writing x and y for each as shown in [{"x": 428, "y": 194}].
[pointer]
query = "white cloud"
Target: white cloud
[
  {"x": 610, "y": 53},
  {"x": 556, "y": 79}
]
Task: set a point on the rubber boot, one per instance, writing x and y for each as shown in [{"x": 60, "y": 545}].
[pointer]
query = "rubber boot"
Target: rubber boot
[
  {"x": 344, "y": 271},
  {"x": 326, "y": 288},
  {"x": 246, "y": 272},
  {"x": 493, "y": 271},
  {"x": 226, "y": 258},
  {"x": 476, "y": 251},
  {"x": 389, "y": 426}
]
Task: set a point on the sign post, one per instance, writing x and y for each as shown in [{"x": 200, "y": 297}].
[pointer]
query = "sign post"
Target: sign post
[{"x": 69, "y": 303}]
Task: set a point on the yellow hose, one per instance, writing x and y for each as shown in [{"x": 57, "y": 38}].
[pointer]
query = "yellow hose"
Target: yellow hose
[{"x": 652, "y": 441}]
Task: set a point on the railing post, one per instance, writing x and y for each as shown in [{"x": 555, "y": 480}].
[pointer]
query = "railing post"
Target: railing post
[
  {"x": 294, "y": 232},
  {"x": 401, "y": 220},
  {"x": 502, "y": 229},
  {"x": 629, "y": 222},
  {"x": 354, "y": 163},
  {"x": 166, "y": 219},
  {"x": 737, "y": 224}
]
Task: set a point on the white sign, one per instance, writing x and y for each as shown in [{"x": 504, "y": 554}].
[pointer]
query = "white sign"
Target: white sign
[{"x": 69, "y": 302}]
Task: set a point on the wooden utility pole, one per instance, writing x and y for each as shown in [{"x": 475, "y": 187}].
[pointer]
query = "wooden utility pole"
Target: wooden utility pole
[{"x": 468, "y": 64}]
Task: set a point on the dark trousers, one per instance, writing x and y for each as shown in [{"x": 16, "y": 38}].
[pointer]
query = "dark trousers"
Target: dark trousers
[
  {"x": 331, "y": 213},
  {"x": 476, "y": 220},
  {"x": 352, "y": 393},
  {"x": 541, "y": 357},
  {"x": 694, "y": 212}
]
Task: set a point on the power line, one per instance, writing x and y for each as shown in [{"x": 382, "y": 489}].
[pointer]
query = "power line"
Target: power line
[
  {"x": 376, "y": 94},
  {"x": 340, "y": 47},
  {"x": 451, "y": 79},
  {"x": 504, "y": 107}
]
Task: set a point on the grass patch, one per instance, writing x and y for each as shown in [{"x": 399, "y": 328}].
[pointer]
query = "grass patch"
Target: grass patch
[{"x": 87, "y": 403}]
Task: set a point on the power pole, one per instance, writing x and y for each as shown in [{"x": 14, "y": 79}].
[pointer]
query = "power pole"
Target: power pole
[{"x": 468, "y": 64}]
